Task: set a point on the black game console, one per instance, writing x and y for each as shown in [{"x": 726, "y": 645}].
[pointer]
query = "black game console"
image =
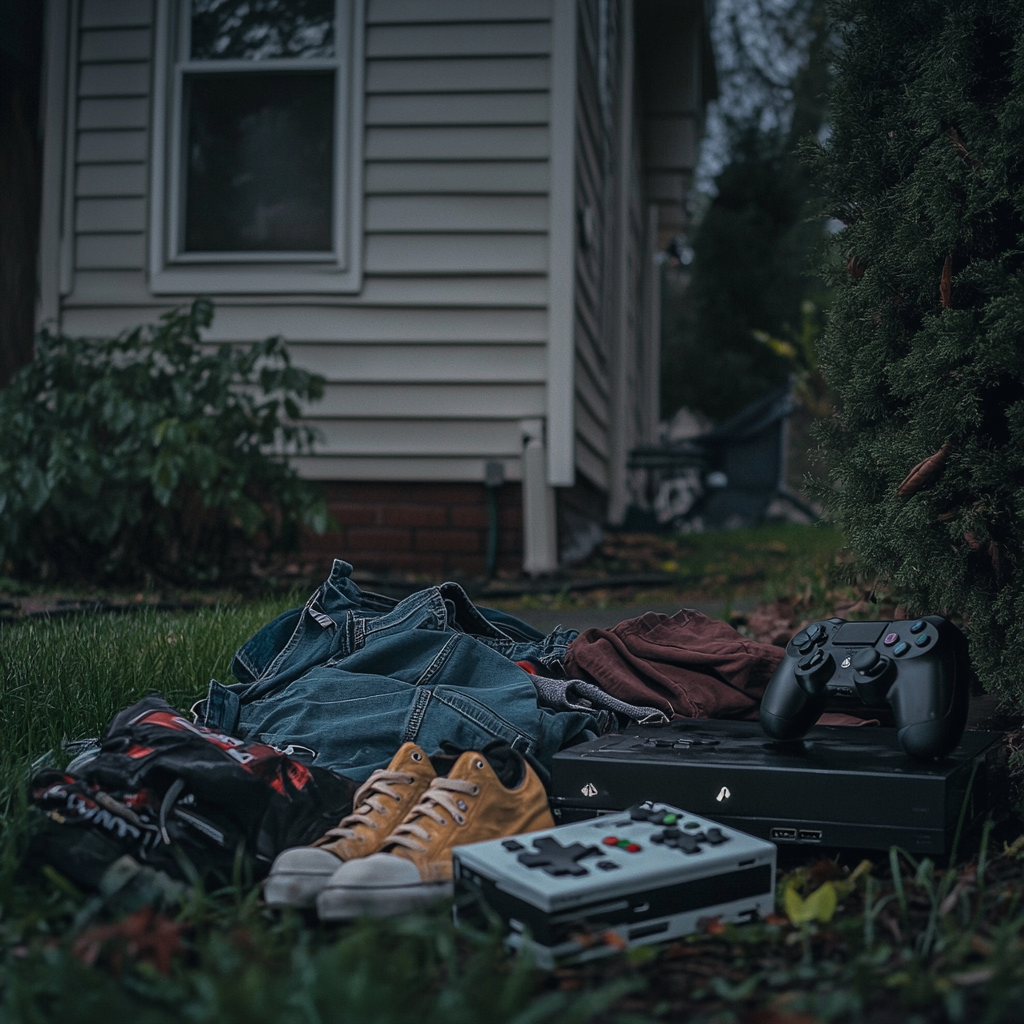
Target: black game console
[{"x": 837, "y": 787}]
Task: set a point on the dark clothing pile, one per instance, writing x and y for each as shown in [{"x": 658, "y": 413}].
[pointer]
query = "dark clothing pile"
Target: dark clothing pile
[
  {"x": 179, "y": 798},
  {"x": 328, "y": 692}
]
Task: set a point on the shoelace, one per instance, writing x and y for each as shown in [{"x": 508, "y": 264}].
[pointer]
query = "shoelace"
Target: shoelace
[
  {"x": 369, "y": 799},
  {"x": 441, "y": 794}
]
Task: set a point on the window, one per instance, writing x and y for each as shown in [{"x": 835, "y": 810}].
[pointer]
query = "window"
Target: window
[{"x": 256, "y": 163}]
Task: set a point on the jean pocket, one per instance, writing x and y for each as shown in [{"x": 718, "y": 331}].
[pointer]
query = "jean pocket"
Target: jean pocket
[{"x": 451, "y": 709}]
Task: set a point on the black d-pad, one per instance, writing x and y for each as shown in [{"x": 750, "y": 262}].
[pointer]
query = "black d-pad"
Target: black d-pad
[{"x": 557, "y": 859}]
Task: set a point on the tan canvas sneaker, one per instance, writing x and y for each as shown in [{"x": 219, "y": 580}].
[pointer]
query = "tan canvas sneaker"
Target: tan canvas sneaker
[
  {"x": 468, "y": 806},
  {"x": 379, "y": 806}
]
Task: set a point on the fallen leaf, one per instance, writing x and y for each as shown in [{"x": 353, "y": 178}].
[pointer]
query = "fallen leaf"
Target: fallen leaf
[
  {"x": 711, "y": 925},
  {"x": 855, "y": 268},
  {"x": 1016, "y": 848},
  {"x": 819, "y": 906},
  {"x": 613, "y": 939},
  {"x": 151, "y": 938},
  {"x": 924, "y": 472},
  {"x": 946, "y": 283},
  {"x": 959, "y": 146},
  {"x": 972, "y": 541}
]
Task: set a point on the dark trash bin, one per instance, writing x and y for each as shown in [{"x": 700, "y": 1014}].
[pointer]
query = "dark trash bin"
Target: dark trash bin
[{"x": 734, "y": 471}]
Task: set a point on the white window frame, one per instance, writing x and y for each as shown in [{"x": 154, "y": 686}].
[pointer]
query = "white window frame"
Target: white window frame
[{"x": 173, "y": 272}]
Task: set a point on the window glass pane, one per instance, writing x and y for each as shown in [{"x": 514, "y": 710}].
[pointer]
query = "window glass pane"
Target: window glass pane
[
  {"x": 257, "y": 29},
  {"x": 258, "y": 162}
]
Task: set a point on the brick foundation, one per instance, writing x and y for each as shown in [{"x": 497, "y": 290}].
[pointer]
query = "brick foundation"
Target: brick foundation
[{"x": 436, "y": 529}]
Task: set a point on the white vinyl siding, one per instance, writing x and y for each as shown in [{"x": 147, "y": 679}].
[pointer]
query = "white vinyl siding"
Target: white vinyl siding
[
  {"x": 593, "y": 286},
  {"x": 432, "y": 365}
]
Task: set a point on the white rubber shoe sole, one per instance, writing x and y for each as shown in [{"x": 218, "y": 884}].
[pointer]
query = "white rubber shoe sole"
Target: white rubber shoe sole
[
  {"x": 380, "y": 885},
  {"x": 298, "y": 876}
]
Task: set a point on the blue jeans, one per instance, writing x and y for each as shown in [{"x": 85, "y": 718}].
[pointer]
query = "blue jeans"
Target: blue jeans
[{"x": 353, "y": 675}]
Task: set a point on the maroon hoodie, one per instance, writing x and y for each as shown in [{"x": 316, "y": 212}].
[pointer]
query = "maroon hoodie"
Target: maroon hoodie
[{"x": 686, "y": 664}]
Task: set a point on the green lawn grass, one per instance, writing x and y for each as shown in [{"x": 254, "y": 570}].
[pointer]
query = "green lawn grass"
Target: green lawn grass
[{"x": 910, "y": 941}]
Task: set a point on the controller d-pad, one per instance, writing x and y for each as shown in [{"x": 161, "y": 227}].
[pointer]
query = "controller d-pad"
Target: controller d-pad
[
  {"x": 557, "y": 859},
  {"x": 688, "y": 842}
]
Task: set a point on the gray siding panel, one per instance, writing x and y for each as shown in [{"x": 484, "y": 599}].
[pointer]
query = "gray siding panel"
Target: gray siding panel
[
  {"x": 127, "y": 44},
  {"x": 462, "y": 75},
  {"x": 421, "y": 437},
  {"x": 386, "y": 467},
  {"x": 459, "y": 254},
  {"x": 456, "y": 143},
  {"x": 110, "y": 252},
  {"x": 459, "y": 40},
  {"x": 507, "y": 290},
  {"x": 128, "y": 112},
  {"x": 457, "y": 213},
  {"x": 116, "y": 13},
  {"x": 107, "y": 147},
  {"x": 111, "y": 180},
  {"x": 114, "y": 288},
  {"x": 110, "y": 215},
  {"x": 458, "y": 108},
  {"x": 382, "y": 12},
  {"x": 390, "y": 401},
  {"x": 114, "y": 80},
  {"x": 377, "y": 324},
  {"x": 506, "y": 177},
  {"x": 424, "y": 364}
]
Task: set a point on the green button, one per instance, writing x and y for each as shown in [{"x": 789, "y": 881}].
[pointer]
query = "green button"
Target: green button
[
  {"x": 669, "y": 819},
  {"x": 623, "y": 843},
  {"x": 692, "y": 824}
]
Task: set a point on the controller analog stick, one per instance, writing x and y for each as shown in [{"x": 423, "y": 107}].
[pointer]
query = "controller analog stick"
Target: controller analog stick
[
  {"x": 814, "y": 671},
  {"x": 870, "y": 664}
]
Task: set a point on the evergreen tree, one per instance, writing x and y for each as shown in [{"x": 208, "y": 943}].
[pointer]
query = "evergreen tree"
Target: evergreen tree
[{"x": 925, "y": 342}]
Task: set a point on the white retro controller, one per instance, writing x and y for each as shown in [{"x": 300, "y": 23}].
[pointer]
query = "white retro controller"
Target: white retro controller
[{"x": 649, "y": 874}]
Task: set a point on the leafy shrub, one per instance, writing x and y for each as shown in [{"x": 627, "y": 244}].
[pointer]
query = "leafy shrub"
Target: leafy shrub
[{"x": 146, "y": 454}]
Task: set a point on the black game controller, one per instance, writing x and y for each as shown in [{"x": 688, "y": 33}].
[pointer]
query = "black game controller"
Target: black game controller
[{"x": 919, "y": 667}]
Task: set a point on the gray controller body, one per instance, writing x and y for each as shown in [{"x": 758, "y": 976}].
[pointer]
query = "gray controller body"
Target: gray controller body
[{"x": 656, "y": 881}]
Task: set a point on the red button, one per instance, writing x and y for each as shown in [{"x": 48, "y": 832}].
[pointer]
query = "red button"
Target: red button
[
  {"x": 633, "y": 848},
  {"x": 610, "y": 841}
]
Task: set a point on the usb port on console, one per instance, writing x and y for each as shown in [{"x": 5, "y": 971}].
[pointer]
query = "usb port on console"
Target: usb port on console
[
  {"x": 783, "y": 833},
  {"x": 810, "y": 835}
]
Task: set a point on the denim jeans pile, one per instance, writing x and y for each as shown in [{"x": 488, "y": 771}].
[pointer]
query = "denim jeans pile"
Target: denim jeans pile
[{"x": 353, "y": 675}]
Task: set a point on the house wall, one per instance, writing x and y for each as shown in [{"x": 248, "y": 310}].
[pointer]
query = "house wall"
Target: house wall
[
  {"x": 433, "y": 365},
  {"x": 613, "y": 344},
  {"x": 458, "y": 341},
  {"x": 597, "y": 84}
]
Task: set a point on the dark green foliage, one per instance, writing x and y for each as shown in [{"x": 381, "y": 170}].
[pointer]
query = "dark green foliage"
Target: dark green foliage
[
  {"x": 147, "y": 455},
  {"x": 748, "y": 273},
  {"x": 753, "y": 251},
  {"x": 926, "y": 165}
]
